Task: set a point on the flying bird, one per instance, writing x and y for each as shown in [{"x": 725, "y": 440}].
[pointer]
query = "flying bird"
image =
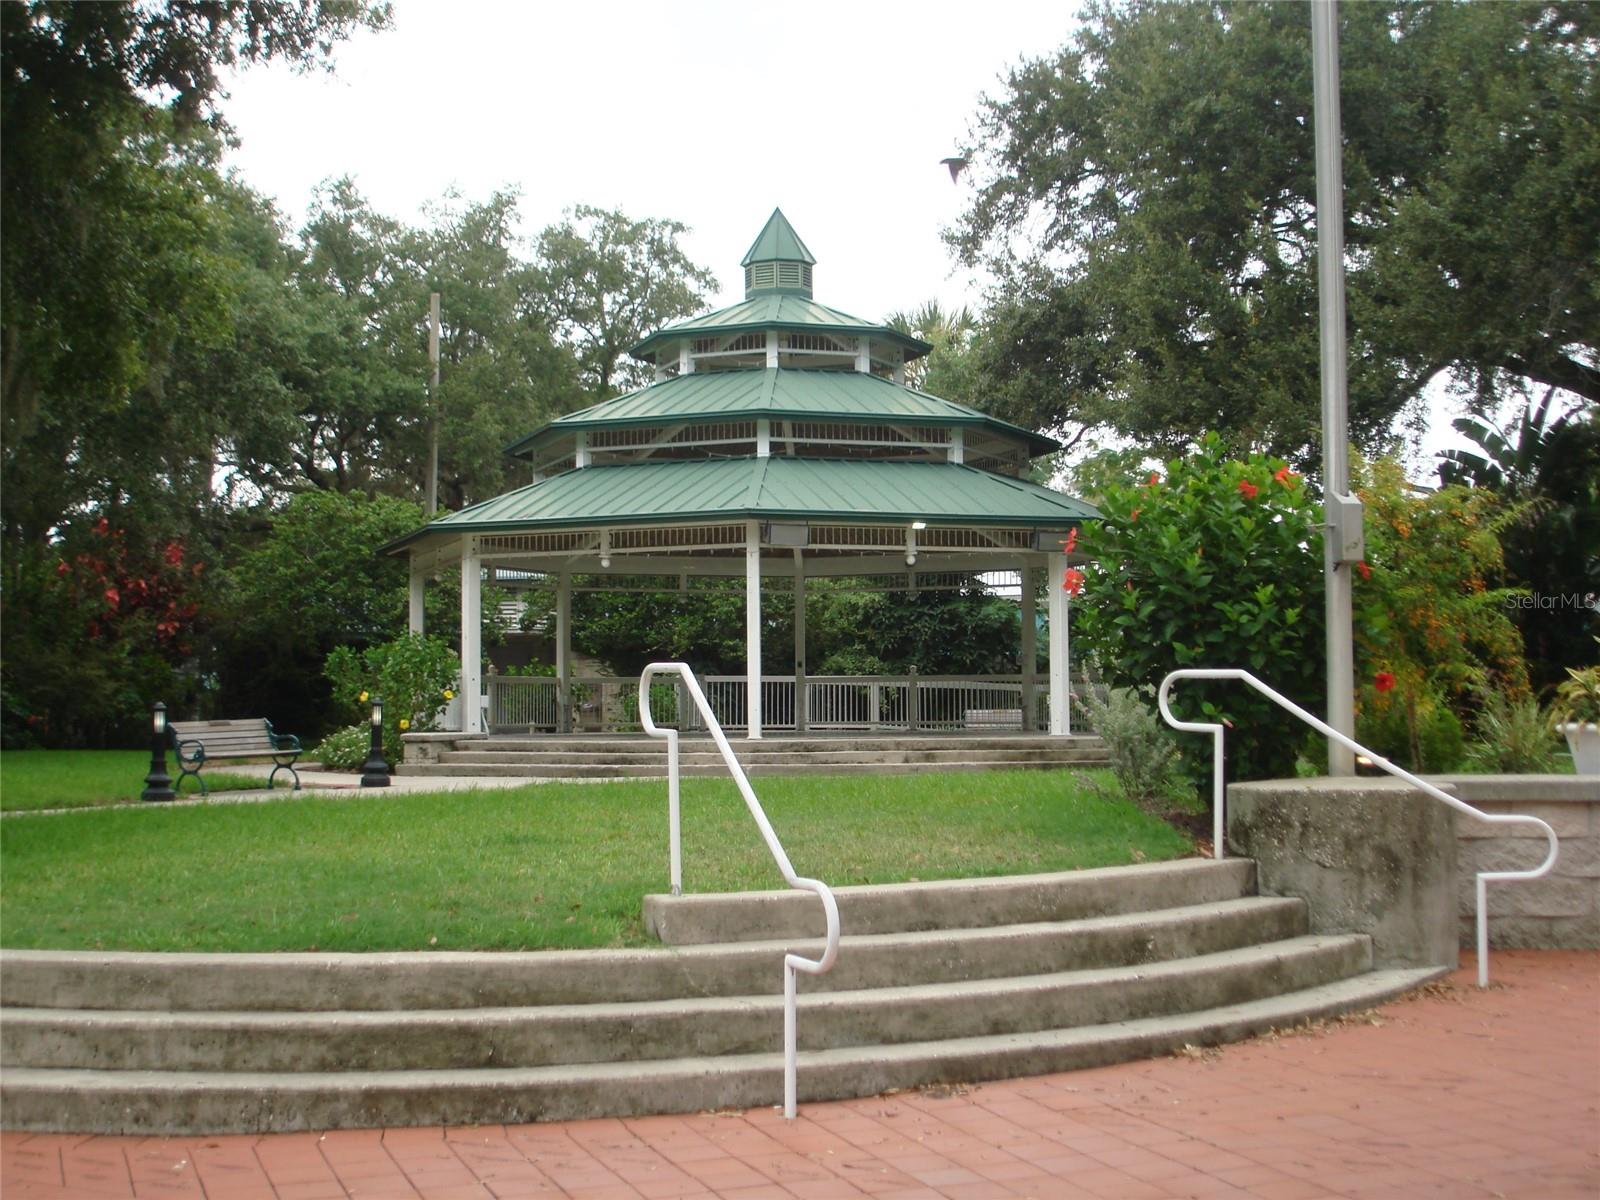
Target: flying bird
[{"x": 957, "y": 164}]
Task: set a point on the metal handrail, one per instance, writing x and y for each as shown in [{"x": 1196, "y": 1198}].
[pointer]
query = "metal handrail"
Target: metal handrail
[
  {"x": 830, "y": 907},
  {"x": 1484, "y": 878}
]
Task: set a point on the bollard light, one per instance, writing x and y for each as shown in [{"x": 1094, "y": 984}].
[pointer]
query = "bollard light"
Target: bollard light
[
  {"x": 158, "y": 784},
  {"x": 375, "y": 772}
]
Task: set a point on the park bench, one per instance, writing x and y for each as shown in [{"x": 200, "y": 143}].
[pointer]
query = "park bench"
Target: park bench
[
  {"x": 992, "y": 718},
  {"x": 196, "y": 743}
]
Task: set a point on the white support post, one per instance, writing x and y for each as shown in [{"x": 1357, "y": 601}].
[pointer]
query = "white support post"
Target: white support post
[
  {"x": 772, "y": 349},
  {"x": 752, "y": 627},
  {"x": 1060, "y": 685},
  {"x": 1030, "y": 650},
  {"x": 900, "y": 372},
  {"x": 685, "y": 359},
  {"x": 415, "y": 620},
  {"x": 563, "y": 650},
  {"x": 763, "y": 437},
  {"x": 659, "y": 374},
  {"x": 958, "y": 446},
  {"x": 864, "y": 355},
  {"x": 802, "y": 707},
  {"x": 471, "y": 639},
  {"x": 581, "y": 451}
]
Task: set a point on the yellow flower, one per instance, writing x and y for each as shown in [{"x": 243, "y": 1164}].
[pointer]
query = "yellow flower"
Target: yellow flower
[
  {"x": 404, "y": 724},
  {"x": 362, "y": 697},
  {"x": 449, "y": 695}
]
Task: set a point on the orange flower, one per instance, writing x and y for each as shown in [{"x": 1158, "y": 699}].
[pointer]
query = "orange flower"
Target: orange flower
[
  {"x": 1363, "y": 570},
  {"x": 1072, "y": 581},
  {"x": 1285, "y": 476},
  {"x": 1247, "y": 489}
]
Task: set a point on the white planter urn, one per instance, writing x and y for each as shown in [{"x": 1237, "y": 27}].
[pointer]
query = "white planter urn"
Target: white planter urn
[{"x": 1584, "y": 740}]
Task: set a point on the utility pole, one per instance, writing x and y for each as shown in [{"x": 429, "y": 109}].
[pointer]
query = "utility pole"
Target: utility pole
[
  {"x": 433, "y": 404},
  {"x": 1342, "y": 537}
]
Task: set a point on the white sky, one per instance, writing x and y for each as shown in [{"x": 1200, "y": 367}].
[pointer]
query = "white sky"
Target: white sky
[{"x": 707, "y": 112}]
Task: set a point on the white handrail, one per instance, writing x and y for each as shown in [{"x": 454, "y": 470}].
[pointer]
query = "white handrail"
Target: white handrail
[
  {"x": 830, "y": 907},
  {"x": 1484, "y": 878}
]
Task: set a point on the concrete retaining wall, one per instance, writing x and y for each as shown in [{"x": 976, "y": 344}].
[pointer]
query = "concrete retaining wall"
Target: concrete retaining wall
[{"x": 1560, "y": 911}]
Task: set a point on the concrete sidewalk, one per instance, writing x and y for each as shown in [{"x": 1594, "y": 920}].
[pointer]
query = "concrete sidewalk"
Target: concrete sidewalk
[{"x": 1454, "y": 1092}]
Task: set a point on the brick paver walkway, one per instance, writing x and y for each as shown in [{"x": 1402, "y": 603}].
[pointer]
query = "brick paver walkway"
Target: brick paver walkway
[{"x": 1454, "y": 1093}]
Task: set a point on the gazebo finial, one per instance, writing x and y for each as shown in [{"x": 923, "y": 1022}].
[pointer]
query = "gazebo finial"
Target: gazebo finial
[{"x": 778, "y": 261}]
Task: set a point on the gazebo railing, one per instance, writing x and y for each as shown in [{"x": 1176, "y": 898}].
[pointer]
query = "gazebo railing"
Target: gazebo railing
[{"x": 909, "y": 703}]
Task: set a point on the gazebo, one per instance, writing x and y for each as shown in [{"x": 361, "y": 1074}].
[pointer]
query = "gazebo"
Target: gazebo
[{"x": 780, "y": 442}]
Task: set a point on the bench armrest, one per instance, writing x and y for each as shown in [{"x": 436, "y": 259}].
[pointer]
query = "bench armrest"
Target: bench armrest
[
  {"x": 285, "y": 742},
  {"x": 189, "y": 749}
]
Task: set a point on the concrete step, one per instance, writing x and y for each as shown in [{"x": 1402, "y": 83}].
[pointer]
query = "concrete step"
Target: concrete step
[
  {"x": 996, "y": 757},
  {"x": 696, "y": 919},
  {"x": 441, "y": 980},
  {"x": 679, "y": 1028},
  {"x": 389, "y": 983},
  {"x": 166, "y": 1102},
  {"x": 776, "y": 743},
  {"x": 754, "y": 770}
]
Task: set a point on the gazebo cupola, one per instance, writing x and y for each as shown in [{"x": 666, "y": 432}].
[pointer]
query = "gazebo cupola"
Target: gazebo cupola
[
  {"x": 779, "y": 442},
  {"x": 779, "y": 324},
  {"x": 778, "y": 262}
]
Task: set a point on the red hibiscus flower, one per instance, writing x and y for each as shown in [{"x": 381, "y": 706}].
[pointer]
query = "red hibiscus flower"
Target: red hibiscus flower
[
  {"x": 1072, "y": 581},
  {"x": 1383, "y": 681},
  {"x": 1363, "y": 570},
  {"x": 1247, "y": 489}
]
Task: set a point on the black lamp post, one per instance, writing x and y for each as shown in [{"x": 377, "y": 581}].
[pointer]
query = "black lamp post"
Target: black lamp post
[
  {"x": 158, "y": 784},
  {"x": 375, "y": 772}
]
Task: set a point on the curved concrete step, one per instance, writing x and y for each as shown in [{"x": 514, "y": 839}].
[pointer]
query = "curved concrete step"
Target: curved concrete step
[
  {"x": 830, "y": 758},
  {"x": 166, "y": 1102},
  {"x": 679, "y": 1028},
  {"x": 698, "y": 918},
  {"x": 200, "y": 983}
]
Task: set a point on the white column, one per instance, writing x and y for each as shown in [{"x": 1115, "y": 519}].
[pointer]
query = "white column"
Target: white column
[
  {"x": 900, "y": 373},
  {"x": 772, "y": 349},
  {"x": 471, "y": 639},
  {"x": 752, "y": 626},
  {"x": 1060, "y": 687},
  {"x": 1030, "y": 649},
  {"x": 801, "y": 707},
  {"x": 563, "y": 650},
  {"x": 580, "y": 454},
  {"x": 763, "y": 437},
  {"x": 414, "y": 608},
  {"x": 864, "y": 355},
  {"x": 685, "y": 359},
  {"x": 958, "y": 446}
]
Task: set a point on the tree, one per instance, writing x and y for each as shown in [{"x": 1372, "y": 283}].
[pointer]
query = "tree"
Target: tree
[
  {"x": 607, "y": 281},
  {"x": 946, "y": 370},
  {"x": 1146, "y": 197},
  {"x": 1548, "y": 465}
]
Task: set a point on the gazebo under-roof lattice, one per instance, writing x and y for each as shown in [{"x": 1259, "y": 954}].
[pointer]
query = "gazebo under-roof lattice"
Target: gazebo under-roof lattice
[{"x": 778, "y": 441}]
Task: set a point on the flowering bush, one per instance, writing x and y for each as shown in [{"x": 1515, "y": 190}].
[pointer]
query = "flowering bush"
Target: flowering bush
[
  {"x": 1219, "y": 564},
  {"x": 415, "y": 676},
  {"x": 1434, "y": 636}
]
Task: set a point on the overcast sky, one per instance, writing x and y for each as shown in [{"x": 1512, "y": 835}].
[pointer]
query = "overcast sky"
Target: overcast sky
[{"x": 707, "y": 112}]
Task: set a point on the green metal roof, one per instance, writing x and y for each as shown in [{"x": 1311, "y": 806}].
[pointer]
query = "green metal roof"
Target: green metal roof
[
  {"x": 781, "y": 393},
  {"x": 777, "y": 242},
  {"x": 814, "y": 489},
  {"x": 774, "y": 310}
]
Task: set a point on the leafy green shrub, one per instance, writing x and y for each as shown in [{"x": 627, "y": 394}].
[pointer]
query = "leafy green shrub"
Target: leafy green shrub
[
  {"x": 1418, "y": 732},
  {"x": 415, "y": 676},
  {"x": 1514, "y": 737},
  {"x": 1217, "y": 565},
  {"x": 1144, "y": 754},
  {"x": 345, "y": 749}
]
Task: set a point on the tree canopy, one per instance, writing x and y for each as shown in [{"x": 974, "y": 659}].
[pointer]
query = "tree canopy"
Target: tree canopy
[{"x": 1146, "y": 197}]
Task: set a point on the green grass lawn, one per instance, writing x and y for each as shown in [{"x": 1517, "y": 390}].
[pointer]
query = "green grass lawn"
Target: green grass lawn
[
  {"x": 35, "y": 779},
  {"x": 549, "y": 865}
]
